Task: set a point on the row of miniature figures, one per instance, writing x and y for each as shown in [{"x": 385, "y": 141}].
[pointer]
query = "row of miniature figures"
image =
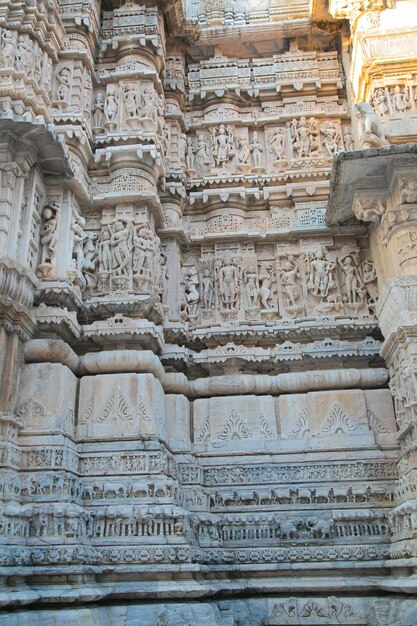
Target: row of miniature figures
[
  {"x": 241, "y": 287},
  {"x": 227, "y": 149}
]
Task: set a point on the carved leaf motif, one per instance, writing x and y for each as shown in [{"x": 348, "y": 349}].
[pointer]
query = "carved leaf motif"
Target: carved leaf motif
[
  {"x": 234, "y": 428},
  {"x": 117, "y": 408},
  {"x": 288, "y": 608},
  {"x": 143, "y": 411},
  {"x": 312, "y": 608},
  {"x": 339, "y": 609},
  {"x": 89, "y": 412},
  {"x": 375, "y": 423},
  {"x": 301, "y": 428},
  {"x": 204, "y": 433},
  {"x": 265, "y": 427},
  {"x": 338, "y": 422}
]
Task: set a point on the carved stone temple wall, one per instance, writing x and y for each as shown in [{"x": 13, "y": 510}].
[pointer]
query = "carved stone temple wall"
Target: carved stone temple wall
[{"x": 208, "y": 312}]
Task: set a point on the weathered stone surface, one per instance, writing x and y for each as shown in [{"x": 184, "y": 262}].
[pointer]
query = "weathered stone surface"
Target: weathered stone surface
[{"x": 208, "y": 312}]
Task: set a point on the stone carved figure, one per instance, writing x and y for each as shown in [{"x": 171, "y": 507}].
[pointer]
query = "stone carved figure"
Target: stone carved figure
[
  {"x": 163, "y": 280},
  {"x": 265, "y": 291},
  {"x": 78, "y": 236},
  {"x": 7, "y": 39},
  {"x": 223, "y": 145},
  {"x": 143, "y": 249},
  {"x": 372, "y": 135},
  {"x": 348, "y": 140},
  {"x": 182, "y": 149},
  {"x": 290, "y": 275},
  {"x": 90, "y": 259},
  {"x": 207, "y": 296},
  {"x": 320, "y": 274},
  {"x": 243, "y": 151},
  {"x": 24, "y": 53},
  {"x": 379, "y": 101},
  {"x": 63, "y": 88},
  {"x": 98, "y": 111},
  {"x": 305, "y": 137},
  {"x": 105, "y": 255},
  {"x": 111, "y": 109},
  {"x": 331, "y": 139},
  {"x": 400, "y": 99},
  {"x": 190, "y": 155},
  {"x": 349, "y": 265},
  {"x": 121, "y": 246},
  {"x": 251, "y": 288},
  {"x": 278, "y": 144},
  {"x": 228, "y": 283},
  {"x": 48, "y": 234},
  {"x": 131, "y": 101},
  {"x": 150, "y": 105},
  {"x": 256, "y": 151},
  {"x": 192, "y": 294},
  {"x": 369, "y": 278},
  {"x": 202, "y": 159}
]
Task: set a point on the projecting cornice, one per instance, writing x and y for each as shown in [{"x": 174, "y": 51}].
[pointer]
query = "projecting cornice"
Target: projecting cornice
[
  {"x": 364, "y": 171},
  {"x": 178, "y": 25}
]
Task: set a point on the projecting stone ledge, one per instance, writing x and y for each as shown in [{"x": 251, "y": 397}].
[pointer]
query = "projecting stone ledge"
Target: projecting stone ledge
[{"x": 364, "y": 172}]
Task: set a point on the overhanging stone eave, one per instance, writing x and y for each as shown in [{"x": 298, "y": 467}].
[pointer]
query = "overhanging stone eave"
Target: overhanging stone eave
[
  {"x": 353, "y": 169},
  {"x": 52, "y": 152}
]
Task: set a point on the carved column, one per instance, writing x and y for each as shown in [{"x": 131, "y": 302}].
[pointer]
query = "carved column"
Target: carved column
[{"x": 383, "y": 193}]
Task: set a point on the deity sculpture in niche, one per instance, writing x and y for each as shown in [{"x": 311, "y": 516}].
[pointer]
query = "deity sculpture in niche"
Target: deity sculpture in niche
[
  {"x": 121, "y": 246},
  {"x": 202, "y": 159},
  {"x": 192, "y": 294},
  {"x": 300, "y": 137},
  {"x": 105, "y": 258},
  {"x": 182, "y": 148},
  {"x": 190, "y": 157},
  {"x": 348, "y": 140},
  {"x": 290, "y": 286},
  {"x": 132, "y": 106},
  {"x": 207, "y": 296},
  {"x": 90, "y": 260},
  {"x": 370, "y": 283},
  {"x": 321, "y": 282},
  {"x": 266, "y": 277},
  {"x": 277, "y": 145},
  {"x": 48, "y": 239},
  {"x": 400, "y": 99},
  {"x": 98, "y": 117},
  {"x": 243, "y": 155},
  {"x": 223, "y": 145},
  {"x": 349, "y": 264},
  {"x": 331, "y": 139},
  {"x": 379, "y": 101},
  {"x": 228, "y": 279},
  {"x": 257, "y": 154},
  {"x": 150, "y": 108},
  {"x": 78, "y": 237},
  {"x": 63, "y": 88},
  {"x": 143, "y": 252},
  {"x": 111, "y": 109},
  {"x": 164, "y": 278},
  {"x": 251, "y": 289}
]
